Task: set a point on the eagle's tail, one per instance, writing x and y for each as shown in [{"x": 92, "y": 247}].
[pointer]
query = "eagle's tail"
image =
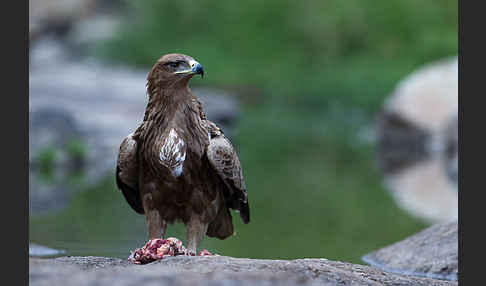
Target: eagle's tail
[
  {"x": 245, "y": 212},
  {"x": 222, "y": 226}
]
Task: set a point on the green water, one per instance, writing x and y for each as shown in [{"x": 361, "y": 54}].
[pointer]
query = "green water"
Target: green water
[{"x": 313, "y": 187}]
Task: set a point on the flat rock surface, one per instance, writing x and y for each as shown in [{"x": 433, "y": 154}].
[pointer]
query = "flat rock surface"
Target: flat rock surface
[
  {"x": 432, "y": 253},
  {"x": 212, "y": 270}
]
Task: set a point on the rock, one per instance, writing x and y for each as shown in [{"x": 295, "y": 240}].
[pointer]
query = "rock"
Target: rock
[
  {"x": 417, "y": 142},
  {"x": 212, "y": 270},
  {"x": 431, "y": 253}
]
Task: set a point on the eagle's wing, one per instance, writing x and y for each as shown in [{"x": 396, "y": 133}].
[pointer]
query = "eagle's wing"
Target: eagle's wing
[
  {"x": 127, "y": 173},
  {"x": 226, "y": 163}
]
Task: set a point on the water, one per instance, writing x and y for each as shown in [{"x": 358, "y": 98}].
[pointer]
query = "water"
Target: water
[
  {"x": 313, "y": 191},
  {"x": 96, "y": 222}
]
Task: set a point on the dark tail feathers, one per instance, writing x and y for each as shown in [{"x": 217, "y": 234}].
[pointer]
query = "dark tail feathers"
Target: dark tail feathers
[{"x": 245, "y": 212}]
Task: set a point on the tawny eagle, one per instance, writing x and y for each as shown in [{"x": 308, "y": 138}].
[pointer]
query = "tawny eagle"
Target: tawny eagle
[{"x": 178, "y": 165}]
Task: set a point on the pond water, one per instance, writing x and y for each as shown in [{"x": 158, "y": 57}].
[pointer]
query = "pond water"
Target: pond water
[{"x": 318, "y": 197}]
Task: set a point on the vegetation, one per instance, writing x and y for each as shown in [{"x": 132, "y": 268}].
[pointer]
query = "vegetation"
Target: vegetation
[
  {"x": 46, "y": 159},
  {"x": 350, "y": 51},
  {"x": 76, "y": 149}
]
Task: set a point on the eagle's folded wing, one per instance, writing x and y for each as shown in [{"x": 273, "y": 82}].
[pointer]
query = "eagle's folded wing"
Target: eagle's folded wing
[
  {"x": 226, "y": 163},
  {"x": 127, "y": 173}
]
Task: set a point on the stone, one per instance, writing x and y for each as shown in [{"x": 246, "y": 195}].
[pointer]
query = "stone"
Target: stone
[
  {"x": 212, "y": 270},
  {"x": 417, "y": 142},
  {"x": 431, "y": 253}
]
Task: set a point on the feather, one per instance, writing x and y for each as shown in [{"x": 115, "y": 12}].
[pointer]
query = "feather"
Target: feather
[
  {"x": 127, "y": 173},
  {"x": 225, "y": 161}
]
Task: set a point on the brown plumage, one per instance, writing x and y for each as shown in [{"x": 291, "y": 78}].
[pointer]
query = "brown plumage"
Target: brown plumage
[{"x": 178, "y": 165}]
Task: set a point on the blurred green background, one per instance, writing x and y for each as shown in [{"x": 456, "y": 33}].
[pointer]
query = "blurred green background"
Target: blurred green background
[{"x": 310, "y": 76}]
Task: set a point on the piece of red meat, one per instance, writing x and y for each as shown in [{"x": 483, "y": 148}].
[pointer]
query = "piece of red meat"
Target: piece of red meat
[{"x": 159, "y": 248}]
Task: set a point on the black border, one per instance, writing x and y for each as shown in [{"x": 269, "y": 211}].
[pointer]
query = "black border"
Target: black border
[
  {"x": 15, "y": 118},
  {"x": 460, "y": 275},
  {"x": 471, "y": 75}
]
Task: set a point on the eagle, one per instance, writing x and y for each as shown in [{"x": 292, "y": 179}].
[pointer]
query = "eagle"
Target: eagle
[{"x": 178, "y": 165}]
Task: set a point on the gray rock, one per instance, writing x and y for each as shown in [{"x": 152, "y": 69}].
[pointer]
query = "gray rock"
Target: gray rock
[
  {"x": 212, "y": 270},
  {"x": 417, "y": 142},
  {"x": 431, "y": 253}
]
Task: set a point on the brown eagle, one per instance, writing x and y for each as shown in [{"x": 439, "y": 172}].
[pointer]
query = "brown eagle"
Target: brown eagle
[{"x": 178, "y": 165}]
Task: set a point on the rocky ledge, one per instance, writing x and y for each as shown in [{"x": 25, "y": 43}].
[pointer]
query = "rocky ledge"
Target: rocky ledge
[
  {"x": 433, "y": 253},
  {"x": 212, "y": 270}
]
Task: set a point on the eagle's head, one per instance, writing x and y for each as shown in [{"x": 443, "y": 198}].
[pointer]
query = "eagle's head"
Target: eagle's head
[{"x": 173, "y": 70}]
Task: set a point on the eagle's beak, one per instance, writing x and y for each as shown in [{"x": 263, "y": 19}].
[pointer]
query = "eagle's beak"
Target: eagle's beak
[{"x": 197, "y": 68}]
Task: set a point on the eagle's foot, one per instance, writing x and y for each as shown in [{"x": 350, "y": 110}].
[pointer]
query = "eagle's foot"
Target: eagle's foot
[
  {"x": 203, "y": 252},
  {"x": 190, "y": 253},
  {"x": 156, "y": 249}
]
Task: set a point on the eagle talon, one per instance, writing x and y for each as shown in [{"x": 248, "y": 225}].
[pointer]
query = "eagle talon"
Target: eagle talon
[{"x": 190, "y": 253}]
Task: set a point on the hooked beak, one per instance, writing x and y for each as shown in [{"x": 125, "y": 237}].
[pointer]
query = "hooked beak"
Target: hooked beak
[{"x": 197, "y": 68}]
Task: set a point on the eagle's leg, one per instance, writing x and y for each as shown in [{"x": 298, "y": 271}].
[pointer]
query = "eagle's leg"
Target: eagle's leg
[
  {"x": 196, "y": 230},
  {"x": 156, "y": 226},
  {"x": 163, "y": 228}
]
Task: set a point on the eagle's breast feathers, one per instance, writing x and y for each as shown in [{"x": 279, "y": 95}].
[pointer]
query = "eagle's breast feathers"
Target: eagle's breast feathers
[{"x": 173, "y": 152}]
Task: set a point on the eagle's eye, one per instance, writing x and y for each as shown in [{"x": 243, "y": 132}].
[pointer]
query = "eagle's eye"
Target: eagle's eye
[
  {"x": 177, "y": 66},
  {"x": 173, "y": 64}
]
